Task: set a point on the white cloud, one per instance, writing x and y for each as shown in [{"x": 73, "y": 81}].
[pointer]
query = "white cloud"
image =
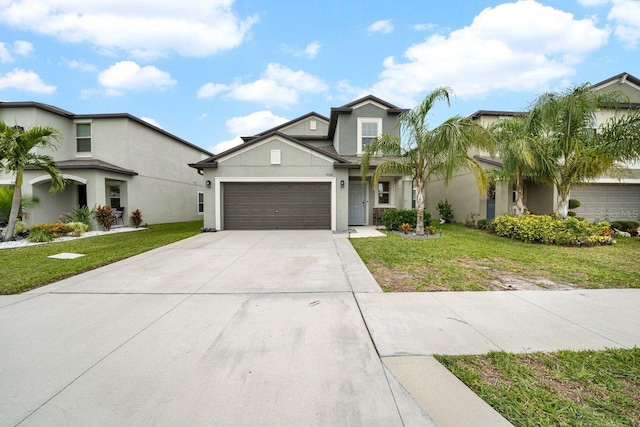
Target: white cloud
[
  {"x": 144, "y": 28},
  {"x": 312, "y": 49},
  {"x": 129, "y": 75},
  {"x": 247, "y": 125},
  {"x": 151, "y": 121},
  {"x": 225, "y": 145},
  {"x": 25, "y": 80},
  {"x": 626, "y": 15},
  {"x": 593, "y": 2},
  {"x": 19, "y": 47},
  {"x": 424, "y": 27},
  {"x": 521, "y": 46},
  {"x": 210, "y": 90},
  {"x": 254, "y": 123},
  {"x": 384, "y": 26},
  {"x": 22, "y": 48},
  {"x": 5, "y": 54},
  {"x": 81, "y": 65},
  {"x": 279, "y": 85}
]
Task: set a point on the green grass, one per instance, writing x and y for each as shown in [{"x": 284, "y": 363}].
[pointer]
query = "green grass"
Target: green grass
[
  {"x": 565, "y": 388},
  {"x": 469, "y": 259},
  {"x": 28, "y": 267}
]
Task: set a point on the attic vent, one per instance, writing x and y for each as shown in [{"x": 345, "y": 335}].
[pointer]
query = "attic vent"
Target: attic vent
[
  {"x": 312, "y": 125},
  {"x": 275, "y": 157}
]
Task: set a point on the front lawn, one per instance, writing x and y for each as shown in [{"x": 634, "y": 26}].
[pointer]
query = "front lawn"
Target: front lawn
[
  {"x": 465, "y": 259},
  {"x": 565, "y": 388},
  {"x": 26, "y": 268}
]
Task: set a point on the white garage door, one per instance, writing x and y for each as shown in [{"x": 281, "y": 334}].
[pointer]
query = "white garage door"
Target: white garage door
[{"x": 615, "y": 202}]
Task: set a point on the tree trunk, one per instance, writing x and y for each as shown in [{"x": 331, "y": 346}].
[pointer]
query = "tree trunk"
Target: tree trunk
[
  {"x": 15, "y": 207},
  {"x": 563, "y": 204},
  {"x": 420, "y": 207},
  {"x": 519, "y": 198}
]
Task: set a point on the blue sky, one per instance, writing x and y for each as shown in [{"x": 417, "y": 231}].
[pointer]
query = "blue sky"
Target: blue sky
[{"x": 211, "y": 71}]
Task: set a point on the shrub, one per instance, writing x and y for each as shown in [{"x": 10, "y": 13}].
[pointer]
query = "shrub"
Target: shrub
[
  {"x": 82, "y": 214},
  {"x": 548, "y": 230},
  {"x": 394, "y": 218},
  {"x": 56, "y": 229},
  {"x": 136, "y": 218},
  {"x": 485, "y": 224},
  {"x": 624, "y": 225},
  {"x": 446, "y": 211},
  {"x": 574, "y": 204},
  {"x": 405, "y": 228},
  {"x": 77, "y": 228},
  {"x": 104, "y": 216},
  {"x": 20, "y": 228},
  {"x": 40, "y": 236}
]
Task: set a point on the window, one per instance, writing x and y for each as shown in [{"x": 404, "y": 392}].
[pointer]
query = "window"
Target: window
[
  {"x": 200, "y": 202},
  {"x": 368, "y": 129},
  {"x": 114, "y": 196},
  {"x": 384, "y": 191},
  {"x": 83, "y": 137}
]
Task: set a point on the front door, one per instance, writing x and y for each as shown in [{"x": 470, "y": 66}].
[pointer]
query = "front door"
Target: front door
[{"x": 357, "y": 203}]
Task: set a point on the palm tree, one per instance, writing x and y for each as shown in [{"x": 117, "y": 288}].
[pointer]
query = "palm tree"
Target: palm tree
[
  {"x": 17, "y": 152},
  {"x": 574, "y": 151},
  {"x": 425, "y": 153},
  {"x": 518, "y": 150}
]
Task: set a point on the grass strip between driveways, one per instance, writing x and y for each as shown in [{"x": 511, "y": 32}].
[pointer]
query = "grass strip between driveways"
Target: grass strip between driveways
[
  {"x": 466, "y": 259},
  {"x": 26, "y": 268},
  {"x": 565, "y": 388}
]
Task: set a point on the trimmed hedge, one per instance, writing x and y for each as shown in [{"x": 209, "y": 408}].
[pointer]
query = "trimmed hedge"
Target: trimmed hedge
[
  {"x": 394, "y": 218},
  {"x": 625, "y": 225},
  {"x": 548, "y": 230}
]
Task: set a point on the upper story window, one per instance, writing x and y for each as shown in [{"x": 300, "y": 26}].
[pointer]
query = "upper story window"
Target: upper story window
[
  {"x": 83, "y": 137},
  {"x": 368, "y": 129}
]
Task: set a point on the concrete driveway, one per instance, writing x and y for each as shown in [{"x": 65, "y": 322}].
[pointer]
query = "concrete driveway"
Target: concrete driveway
[{"x": 228, "y": 328}]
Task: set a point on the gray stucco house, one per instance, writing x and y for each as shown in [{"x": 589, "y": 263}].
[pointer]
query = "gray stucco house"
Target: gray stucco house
[
  {"x": 304, "y": 174},
  {"x": 117, "y": 160},
  {"x": 603, "y": 198}
]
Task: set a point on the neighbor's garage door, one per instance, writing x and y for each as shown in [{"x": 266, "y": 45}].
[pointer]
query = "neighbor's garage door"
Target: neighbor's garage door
[
  {"x": 277, "y": 205},
  {"x": 612, "y": 201}
]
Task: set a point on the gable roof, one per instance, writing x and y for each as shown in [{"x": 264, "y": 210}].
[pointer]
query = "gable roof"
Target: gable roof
[
  {"x": 212, "y": 162},
  {"x": 348, "y": 109},
  {"x": 287, "y": 124},
  {"x": 620, "y": 78},
  {"x": 71, "y": 116},
  {"x": 481, "y": 113}
]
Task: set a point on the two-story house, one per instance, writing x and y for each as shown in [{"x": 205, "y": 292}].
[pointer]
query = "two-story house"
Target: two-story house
[
  {"x": 116, "y": 160},
  {"x": 304, "y": 174},
  {"x": 603, "y": 198}
]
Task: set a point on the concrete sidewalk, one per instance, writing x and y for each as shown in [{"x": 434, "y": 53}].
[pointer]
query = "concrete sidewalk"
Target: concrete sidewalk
[{"x": 271, "y": 328}]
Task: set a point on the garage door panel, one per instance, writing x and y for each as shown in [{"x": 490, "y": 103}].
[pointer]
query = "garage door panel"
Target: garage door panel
[
  {"x": 276, "y": 205},
  {"x": 611, "y": 201}
]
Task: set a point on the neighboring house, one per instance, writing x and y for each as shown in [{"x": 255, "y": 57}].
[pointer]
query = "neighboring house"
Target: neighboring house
[
  {"x": 111, "y": 159},
  {"x": 603, "y": 198},
  {"x": 305, "y": 174}
]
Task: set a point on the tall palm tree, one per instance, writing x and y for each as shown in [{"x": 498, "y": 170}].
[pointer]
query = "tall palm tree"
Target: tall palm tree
[
  {"x": 425, "y": 153},
  {"x": 518, "y": 149},
  {"x": 17, "y": 152},
  {"x": 574, "y": 151}
]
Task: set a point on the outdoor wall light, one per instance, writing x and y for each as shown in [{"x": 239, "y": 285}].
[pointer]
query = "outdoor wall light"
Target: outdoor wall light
[
  {"x": 208, "y": 183},
  {"x": 342, "y": 183}
]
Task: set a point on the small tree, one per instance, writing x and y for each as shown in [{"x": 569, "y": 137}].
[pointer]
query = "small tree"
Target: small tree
[
  {"x": 17, "y": 152},
  {"x": 424, "y": 153},
  {"x": 574, "y": 152}
]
